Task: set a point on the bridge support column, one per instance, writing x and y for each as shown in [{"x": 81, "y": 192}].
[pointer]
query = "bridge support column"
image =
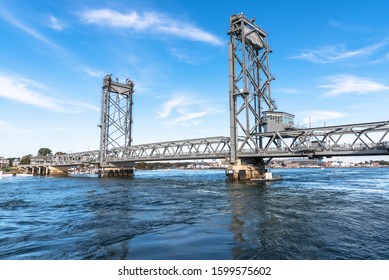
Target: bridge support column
[
  {"x": 111, "y": 172},
  {"x": 248, "y": 171}
]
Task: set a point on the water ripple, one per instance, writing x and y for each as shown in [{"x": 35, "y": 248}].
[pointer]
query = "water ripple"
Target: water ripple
[{"x": 185, "y": 214}]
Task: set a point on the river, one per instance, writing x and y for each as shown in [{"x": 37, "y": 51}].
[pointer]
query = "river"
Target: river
[{"x": 197, "y": 215}]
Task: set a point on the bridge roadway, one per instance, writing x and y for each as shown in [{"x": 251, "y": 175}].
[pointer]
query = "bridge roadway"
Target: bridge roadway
[{"x": 345, "y": 140}]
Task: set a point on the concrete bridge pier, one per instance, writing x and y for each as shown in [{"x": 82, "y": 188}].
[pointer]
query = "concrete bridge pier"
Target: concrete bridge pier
[
  {"x": 39, "y": 170},
  {"x": 27, "y": 170},
  {"x": 47, "y": 170},
  {"x": 112, "y": 172},
  {"x": 248, "y": 170}
]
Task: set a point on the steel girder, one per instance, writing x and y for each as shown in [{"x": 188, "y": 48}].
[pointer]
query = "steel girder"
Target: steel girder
[
  {"x": 249, "y": 83},
  {"x": 116, "y": 116}
]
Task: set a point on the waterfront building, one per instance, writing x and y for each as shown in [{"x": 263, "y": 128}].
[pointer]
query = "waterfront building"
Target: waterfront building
[
  {"x": 4, "y": 162},
  {"x": 16, "y": 162}
]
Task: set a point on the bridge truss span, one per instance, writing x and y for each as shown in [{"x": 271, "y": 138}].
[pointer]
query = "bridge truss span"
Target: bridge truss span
[
  {"x": 87, "y": 157},
  {"x": 342, "y": 140},
  {"x": 191, "y": 149},
  {"x": 202, "y": 148}
]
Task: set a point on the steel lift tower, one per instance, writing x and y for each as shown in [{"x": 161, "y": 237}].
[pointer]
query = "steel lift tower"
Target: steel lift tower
[
  {"x": 259, "y": 133},
  {"x": 116, "y": 118},
  {"x": 249, "y": 90}
]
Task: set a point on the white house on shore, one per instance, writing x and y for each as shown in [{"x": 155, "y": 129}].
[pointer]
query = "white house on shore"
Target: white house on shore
[
  {"x": 16, "y": 162},
  {"x": 4, "y": 162}
]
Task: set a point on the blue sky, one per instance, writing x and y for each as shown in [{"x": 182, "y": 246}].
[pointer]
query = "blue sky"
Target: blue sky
[{"x": 330, "y": 59}]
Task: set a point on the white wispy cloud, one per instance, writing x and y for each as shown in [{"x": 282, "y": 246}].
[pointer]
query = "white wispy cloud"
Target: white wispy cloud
[
  {"x": 185, "y": 111},
  {"x": 335, "y": 53},
  {"x": 187, "y": 116},
  {"x": 26, "y": 91},
  {"x": 150, "y": 22},
  {"x": 383, "y": 59},
  {"x": 312, "y": 117},
  {"x": 55, "y": 23},
  {"x": 93, "y": 72},
  {"x": 7, "y": 16},
  {"x": 33, "y": 93},
  {"x": 348, "y": 27},
  {"x": 170, "y": 105},
  {"x": 348, "y": 84}
]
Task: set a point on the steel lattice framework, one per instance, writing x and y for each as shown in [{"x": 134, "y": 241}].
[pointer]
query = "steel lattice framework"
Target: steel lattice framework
[
  {"x": 249, "y": 82},
  {"x": 116, "y": 116}
]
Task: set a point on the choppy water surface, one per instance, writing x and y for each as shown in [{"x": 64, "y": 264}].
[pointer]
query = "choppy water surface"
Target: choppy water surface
[{"x": 311, "y": 214}]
